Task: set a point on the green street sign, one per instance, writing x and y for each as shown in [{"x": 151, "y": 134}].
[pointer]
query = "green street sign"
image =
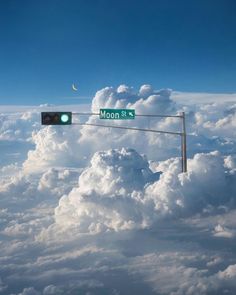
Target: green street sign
[{"x": 117, "y": 114}]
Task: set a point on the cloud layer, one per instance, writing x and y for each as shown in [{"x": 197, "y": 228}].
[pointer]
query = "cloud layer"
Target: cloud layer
[{"x": 86, "y": 210}]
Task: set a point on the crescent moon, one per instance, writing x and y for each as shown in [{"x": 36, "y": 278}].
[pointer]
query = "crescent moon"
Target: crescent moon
[{"x": 74, "y": 88}]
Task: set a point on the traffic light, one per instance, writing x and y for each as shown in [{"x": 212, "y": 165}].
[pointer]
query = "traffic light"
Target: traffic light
[{"x": 56, "y": 118}]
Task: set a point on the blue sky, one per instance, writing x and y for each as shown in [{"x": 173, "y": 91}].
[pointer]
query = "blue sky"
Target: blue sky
[{"x": 46, "y": 46}]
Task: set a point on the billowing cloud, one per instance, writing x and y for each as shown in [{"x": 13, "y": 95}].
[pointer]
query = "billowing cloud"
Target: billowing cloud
[
  {"x": 18, "y": 126},
  {"x": 205, "y": 187},
  {"x": 119, "y": 181},
  {"x": 109, "y": 195},
  {"x": 55, "y": 147}
]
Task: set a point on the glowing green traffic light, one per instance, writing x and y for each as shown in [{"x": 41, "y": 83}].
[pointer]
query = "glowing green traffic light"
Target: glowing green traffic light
[
  {"x": 56, "y": 118},
  {"x": 65, "y": 118}
]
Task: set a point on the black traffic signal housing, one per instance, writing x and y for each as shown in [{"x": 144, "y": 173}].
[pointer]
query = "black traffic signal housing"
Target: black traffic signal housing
[{"x": 56, "y": 118}]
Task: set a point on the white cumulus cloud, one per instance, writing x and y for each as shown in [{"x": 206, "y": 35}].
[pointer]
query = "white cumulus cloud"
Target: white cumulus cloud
[{"x": 109, "y": 195}]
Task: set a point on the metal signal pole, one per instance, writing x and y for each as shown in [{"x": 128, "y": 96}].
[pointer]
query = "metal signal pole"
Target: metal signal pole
[
  {"x": 182, "y": 134},
  {"x": 184, "y": 144}
]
